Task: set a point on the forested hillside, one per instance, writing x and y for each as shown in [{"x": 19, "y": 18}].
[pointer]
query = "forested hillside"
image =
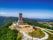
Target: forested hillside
[
  {"x": 6, "y": 33},
  {"x": 4, "y": 20}
]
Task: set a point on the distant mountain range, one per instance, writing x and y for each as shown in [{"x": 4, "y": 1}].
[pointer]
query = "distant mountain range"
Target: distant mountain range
[
  {"x": 44, "y": 20},
  {"x": 4, "y": 19}
]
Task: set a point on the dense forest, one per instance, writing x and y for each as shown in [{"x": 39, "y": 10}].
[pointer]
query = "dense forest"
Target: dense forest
[
  {"x": 4, "y": 20},
  {"x": 6, "y": 33}
]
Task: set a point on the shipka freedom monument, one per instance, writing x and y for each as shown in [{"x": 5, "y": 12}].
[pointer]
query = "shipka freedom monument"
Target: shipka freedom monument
[
  {"x": 24, "y": 29},
  {"x": 19, "y": 25},
  {"x": 20, "y": 21}
]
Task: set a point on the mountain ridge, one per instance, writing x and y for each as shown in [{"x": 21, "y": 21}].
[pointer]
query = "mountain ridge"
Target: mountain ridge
[{"x": 4, "y": 19}]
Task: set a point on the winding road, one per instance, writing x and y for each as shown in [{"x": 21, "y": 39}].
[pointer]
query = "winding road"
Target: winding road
[{"x": 25, "y": 36}]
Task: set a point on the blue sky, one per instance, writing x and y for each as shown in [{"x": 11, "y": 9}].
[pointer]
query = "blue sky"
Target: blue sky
[{"x": 29, "y": 8}]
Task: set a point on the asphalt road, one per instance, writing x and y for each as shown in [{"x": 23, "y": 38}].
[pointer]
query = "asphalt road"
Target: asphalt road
[{"x": 25, "y": 36}]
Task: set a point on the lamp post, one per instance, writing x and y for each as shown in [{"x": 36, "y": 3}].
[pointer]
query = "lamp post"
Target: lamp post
[{"x": 32, "y": 31}]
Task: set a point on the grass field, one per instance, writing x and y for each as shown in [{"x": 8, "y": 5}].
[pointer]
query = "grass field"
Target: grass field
[
  {"x": 51, "y": 31},
  {"x": 37, "y": 33},
  {"x": 46, "y": 23},
  {"x": 50, "y": 37},
  {"x": 19, "y": 36}
]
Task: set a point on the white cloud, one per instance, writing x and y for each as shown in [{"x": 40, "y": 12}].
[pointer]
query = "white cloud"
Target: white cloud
[
  {"x": 29, "y": 13},
  {"x": 3, "y": 13}
]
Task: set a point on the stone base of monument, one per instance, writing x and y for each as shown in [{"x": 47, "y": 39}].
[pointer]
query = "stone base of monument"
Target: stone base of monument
[{"x": 25, "y": 27}]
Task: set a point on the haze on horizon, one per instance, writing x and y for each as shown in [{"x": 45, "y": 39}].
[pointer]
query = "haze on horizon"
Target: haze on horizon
[{"x": 29, "y": 8}]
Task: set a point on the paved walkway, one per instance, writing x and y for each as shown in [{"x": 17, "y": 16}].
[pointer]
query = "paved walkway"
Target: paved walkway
[{"x": 25, "y": 36}]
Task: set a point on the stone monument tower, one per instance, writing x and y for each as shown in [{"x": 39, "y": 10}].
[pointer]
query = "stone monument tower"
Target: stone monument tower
[{"x": 20, "y": 19}]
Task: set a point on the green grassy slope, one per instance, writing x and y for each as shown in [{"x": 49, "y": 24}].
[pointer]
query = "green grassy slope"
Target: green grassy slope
[{"x": 37, "y": 33}]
